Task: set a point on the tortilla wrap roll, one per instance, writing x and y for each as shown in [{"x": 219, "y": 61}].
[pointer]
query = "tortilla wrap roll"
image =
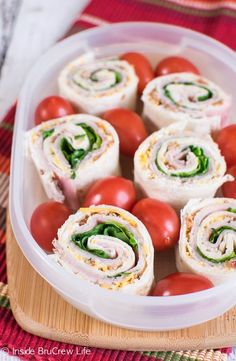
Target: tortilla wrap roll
[
  {"x": 207, "y": 244},
  {"x": 188, "y": 97},
  {"x": 109, "y": 247},
  {"x": 96, "y": 86},
  {"x": 175, "y": 164},
  {"x": 71, "y": 153}
]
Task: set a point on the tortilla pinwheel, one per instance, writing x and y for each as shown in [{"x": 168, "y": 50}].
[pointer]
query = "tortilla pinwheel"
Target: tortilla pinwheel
[
  {"x": 184, "y": 96},
  {"x": 175, "y": 165},
  {"x": 107, "y": 246},
  {"x": 207, "y": 244},
  {"x": 99, "y": 85},
  {"x": 72, "y": 152}
]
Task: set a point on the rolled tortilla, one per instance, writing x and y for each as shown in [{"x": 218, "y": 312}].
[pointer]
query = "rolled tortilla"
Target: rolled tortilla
[
  {"x": 109, "y": 247},
  {"x": 175, "y": 165},
  {"x": 95, "y": 86},
  {"x": 72, "y": 152},
  {"x": 184, "y": 96},
  {"x": 207, "y": 244}
]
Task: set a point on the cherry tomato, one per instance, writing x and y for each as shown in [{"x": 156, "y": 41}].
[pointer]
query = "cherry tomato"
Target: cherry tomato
[
  {"x": 229, "y": 188},
  {"x": 226, "y": 140},
  {"x": 142, "y": 68},
  {"x": 129, "y": 127},
  {"x": 46, "y": 219},
  {"x": 115, "y": 191},
  {"x": 175, "y": 64},
  {"x": 180, "y": 283},
  {"x": 160, "y": 220},
  {"x": 52, "y": 107}
]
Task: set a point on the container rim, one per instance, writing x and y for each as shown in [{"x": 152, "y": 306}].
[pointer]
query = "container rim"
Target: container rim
[{"x": 20, "y": 229}]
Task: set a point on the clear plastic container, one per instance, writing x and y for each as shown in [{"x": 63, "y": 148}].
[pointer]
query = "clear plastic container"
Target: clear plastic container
[{"x": 157, "y": 40}]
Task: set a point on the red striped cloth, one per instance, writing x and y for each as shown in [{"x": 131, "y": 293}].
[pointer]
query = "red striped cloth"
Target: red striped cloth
[
  {"x": 216, "y": 18},
  {"x": 213, "y": 17}
]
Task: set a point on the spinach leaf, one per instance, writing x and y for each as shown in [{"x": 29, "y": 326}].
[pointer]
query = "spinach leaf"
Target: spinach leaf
[
  {"x": 95, "y": 140},
  {"x": 213, "y": 239},
  {"x": 202, "y": 167},
  {"x": 47, "y": 133},
  {"x": 112, "y": 229},
  {"x": 203, "y": 162},
  {"x": 120, "y": 274},
  {"x": 201, "y": 98},
  {"x": 74, "y": 156},
  {"x": 217, "y": 231},
  {"x": 118, "y": 77},
  {"x": 79, "y": 136},
  {"x": 218, "y": 260}
]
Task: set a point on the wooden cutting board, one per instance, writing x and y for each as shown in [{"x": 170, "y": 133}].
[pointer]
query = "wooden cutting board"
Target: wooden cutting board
[{"x": 38, "y": 309}]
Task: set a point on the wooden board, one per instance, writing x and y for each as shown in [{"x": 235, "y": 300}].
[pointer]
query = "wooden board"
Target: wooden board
[{"x": 40, "y": 310}]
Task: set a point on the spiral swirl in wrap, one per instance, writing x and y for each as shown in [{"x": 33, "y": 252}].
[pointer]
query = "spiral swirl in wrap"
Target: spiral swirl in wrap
[
  {"x": 207, "y": 244},
  {"x": 175, "y": 165},
  {"x": 185, "y": 96},
  {"x": 95, "y": 86},
  {"x": 109, "y": 247},
  {"x": 72, "y": 152}
]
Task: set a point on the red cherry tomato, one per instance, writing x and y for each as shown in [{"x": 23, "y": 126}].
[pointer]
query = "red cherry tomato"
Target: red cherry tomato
[
  {"x": 226, "y": 140},
  {"x": 181, "y": 283},
  {"x": 175, "y": 64},
  {"x": 142, "y": 68},
  {"x": 229, "y": 188},
  {"x": 52, "y": 107},
  {"x": 129, "y": 127},
  {"x": 46, "y": 219},
  {"x": 161, "y": 221},
  {"x": 115, "y": 191}
]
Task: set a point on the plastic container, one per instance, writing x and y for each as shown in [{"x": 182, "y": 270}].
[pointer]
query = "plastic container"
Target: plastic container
[{"x": 157, "y": 40}]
